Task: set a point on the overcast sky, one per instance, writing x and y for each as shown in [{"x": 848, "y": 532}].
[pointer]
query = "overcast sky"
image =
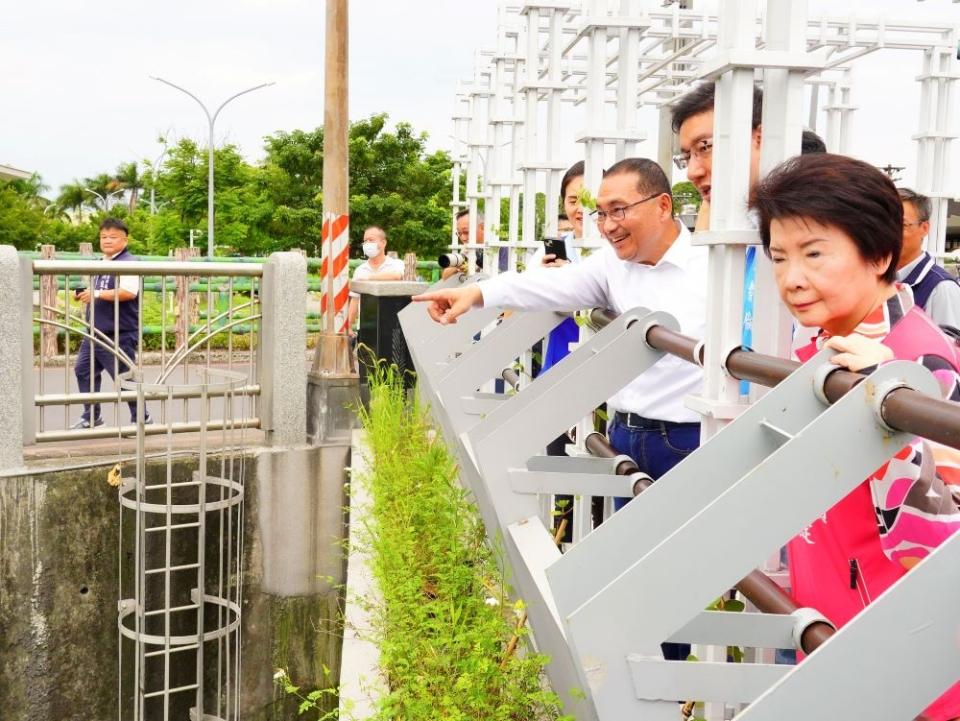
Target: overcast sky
[{"x": 77, "y": 99}]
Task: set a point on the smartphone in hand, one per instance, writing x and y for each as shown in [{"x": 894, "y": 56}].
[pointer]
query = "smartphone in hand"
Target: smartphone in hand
[
  {"x": 557, "y": 247},
  {"x": 79, "y": 290}
]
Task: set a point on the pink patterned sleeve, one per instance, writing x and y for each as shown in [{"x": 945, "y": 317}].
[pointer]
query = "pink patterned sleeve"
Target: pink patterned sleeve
[{"x": 917, "y": 494}]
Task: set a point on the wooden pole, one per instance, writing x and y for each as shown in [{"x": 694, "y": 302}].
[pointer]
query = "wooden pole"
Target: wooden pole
[
  {"x": 48, "y": 299},
  {"x": 336, "y": 130}
]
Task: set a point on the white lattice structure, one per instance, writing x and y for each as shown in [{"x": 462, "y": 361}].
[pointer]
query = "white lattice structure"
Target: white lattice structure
[{"x": 564, "y": 72}]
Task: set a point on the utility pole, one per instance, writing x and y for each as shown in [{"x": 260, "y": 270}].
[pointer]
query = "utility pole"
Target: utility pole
[{"x": 333, "y": 351}]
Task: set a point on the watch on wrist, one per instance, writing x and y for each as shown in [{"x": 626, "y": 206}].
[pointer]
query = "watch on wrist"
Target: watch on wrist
[{"x": 97, "y": 293}]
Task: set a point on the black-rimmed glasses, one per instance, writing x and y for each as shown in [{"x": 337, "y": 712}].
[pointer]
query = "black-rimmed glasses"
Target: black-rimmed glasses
[
  {"x": 700, "y": 149},
  {"x": 618, "y": 214}
]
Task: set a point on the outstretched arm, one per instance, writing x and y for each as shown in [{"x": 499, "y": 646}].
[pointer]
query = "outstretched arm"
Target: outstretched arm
[{"x": 448, "y": 304}]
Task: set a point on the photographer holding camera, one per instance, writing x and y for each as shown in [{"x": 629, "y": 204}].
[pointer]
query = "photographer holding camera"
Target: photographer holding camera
[{"x": 456, "y": 262}]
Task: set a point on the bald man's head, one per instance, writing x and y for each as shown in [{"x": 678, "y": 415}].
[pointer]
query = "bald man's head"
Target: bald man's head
[
  {"x": 374, "y": 232},
  {"x": 374, "y": 242}
]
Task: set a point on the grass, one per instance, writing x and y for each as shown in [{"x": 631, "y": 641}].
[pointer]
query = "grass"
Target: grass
[{"x": 452, "y": 646}]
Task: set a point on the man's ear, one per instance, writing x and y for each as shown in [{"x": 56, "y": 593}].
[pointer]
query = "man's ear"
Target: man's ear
[{"x": 665, "y": 202}]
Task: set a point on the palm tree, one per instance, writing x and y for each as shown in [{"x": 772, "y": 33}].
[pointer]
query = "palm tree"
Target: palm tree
[
  {"x": 72, "y": 197},
  {"x": 103, "y": 185},
  {"x": 129, "y": 177},
  {"x": 30, "y": 188}
]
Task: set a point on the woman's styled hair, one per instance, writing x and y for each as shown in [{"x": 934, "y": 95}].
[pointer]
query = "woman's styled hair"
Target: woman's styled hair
[
  {"x": 574, "y": 171},
  {"x": 835, "y": 190}
]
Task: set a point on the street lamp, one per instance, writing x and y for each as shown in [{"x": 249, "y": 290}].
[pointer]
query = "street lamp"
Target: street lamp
[
  {"x": 105, "y": 199},
  {"x": 153, "y": 185},
  {"x": 211, "y": 119}
]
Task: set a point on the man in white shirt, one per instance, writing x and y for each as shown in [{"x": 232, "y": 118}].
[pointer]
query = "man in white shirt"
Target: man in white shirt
[
  {"x": 934, "y": 289},
  {"x": 377, "y": 266},
  {"x": 649, "y": 262}
]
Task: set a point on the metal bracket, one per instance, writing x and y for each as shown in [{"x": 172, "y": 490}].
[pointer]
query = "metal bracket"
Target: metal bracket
[{"x": 804, "y": 618}]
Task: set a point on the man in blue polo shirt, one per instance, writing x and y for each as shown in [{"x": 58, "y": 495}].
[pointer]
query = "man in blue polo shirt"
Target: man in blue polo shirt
[{"x": 113, "y": 309}]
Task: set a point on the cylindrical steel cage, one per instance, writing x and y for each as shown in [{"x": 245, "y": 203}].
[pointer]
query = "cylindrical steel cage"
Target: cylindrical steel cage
[{"x": 181, "y": 547}]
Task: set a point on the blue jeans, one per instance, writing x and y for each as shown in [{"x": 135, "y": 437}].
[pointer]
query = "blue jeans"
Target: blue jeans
[
  {"x": 103, "y": 360},
  {"x": 656, "y": 447}
]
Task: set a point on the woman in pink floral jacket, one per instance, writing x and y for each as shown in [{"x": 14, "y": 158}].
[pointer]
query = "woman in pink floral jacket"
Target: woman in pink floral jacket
[{"x": 832, "y": 227}]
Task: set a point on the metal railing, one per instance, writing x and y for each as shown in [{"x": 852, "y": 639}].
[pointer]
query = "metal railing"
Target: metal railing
[
  {"x": 601, "y": 609},
  {"x": 198, "y": 314}
]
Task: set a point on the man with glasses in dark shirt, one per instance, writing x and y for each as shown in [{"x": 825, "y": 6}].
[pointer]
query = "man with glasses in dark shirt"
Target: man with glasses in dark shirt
[{"x": 934, "y": 289}]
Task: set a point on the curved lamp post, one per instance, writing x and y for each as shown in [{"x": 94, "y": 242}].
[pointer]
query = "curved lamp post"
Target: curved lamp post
[
  {"x": 104, "y": 199},
  {"x": 211, "y": 119}
]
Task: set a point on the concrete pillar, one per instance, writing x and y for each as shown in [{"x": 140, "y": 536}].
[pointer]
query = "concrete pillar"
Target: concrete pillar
[
  {"x": 283, "y": 343},
  {"x": 12, "y": 364}
]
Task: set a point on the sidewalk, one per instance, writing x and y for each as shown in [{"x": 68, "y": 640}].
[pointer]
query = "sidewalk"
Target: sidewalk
[{"x": 361, "y": 682}]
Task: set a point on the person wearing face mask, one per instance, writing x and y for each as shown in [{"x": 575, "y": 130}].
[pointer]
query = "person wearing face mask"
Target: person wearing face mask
[{"x": 377, "y": 266}]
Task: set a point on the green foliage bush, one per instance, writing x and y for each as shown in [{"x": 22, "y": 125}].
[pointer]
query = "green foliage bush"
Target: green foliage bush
[{"x": 446, "y": 624}]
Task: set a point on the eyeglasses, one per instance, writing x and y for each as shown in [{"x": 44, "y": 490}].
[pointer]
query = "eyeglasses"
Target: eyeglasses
[
  {"x": 620, "y": 213},
  {"x": 701, "y": 149},
  {"x": 916, "y": 222}
]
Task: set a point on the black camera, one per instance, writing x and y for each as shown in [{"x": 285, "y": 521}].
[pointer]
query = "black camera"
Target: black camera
[{"x": 457, "y": 259}]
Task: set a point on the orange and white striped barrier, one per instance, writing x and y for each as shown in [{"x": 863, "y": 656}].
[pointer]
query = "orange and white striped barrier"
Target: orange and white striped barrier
[{"x": 336, "y": 231}]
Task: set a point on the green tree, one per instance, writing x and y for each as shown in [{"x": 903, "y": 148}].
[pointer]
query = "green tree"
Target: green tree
[
  {"x": 396, "y": 184},
  {"x": 278, "y": 204},
  {"x": 685, "y": 193},
  {"x": 393, "y": 183},
  {"x": 72, "y": 197},
  {"x": 21, "y": 216}
]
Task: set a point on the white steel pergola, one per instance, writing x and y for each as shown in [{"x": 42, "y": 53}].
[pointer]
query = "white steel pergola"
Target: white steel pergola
[{"x": 602, "y": 61}]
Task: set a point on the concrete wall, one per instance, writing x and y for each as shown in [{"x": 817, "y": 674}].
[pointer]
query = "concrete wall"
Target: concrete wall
[{"x": 59, "y": 542}]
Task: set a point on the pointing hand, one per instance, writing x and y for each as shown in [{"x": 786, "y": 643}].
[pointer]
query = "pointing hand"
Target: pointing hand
[{"x": 448, "y": 304}]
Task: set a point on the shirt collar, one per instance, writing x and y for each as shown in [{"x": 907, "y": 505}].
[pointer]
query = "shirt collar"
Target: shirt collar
[
  {"x": 908, "y": 268},
  {"x": 679, "y": 251}
]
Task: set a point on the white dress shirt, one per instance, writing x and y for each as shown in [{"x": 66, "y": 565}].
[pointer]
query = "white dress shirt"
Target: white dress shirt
[
  {"x": 676, "y": 285},
  {"x": 365, "y": 270}
]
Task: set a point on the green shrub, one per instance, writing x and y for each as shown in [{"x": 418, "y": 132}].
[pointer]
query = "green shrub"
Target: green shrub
[{"x": 446, "y": 629}]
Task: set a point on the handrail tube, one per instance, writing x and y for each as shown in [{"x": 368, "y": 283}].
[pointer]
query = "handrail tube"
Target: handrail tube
[
  {"x": 600, "y": 317},
  {"x": 511, "y": 377},
  {"x": 598, "y": 445},
  {"x": 145, "y": 267},
  {"x": 151, "y": 430},
  {"x": 675, "y": 344},
  {"x": 61, "y": 399},
  {"x": 905, "y": 409},
  {"x": 757, "y": 587}
]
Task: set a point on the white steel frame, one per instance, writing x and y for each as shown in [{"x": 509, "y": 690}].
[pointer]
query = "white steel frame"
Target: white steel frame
[{"x": 612, "y": 57}]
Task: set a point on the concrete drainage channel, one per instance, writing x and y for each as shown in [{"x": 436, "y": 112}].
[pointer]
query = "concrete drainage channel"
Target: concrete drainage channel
[
  {"x": 362, "y": 683},
  {"x": 59, "y": 576}
]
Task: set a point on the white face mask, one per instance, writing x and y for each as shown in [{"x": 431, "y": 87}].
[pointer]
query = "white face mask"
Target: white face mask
[{"x": 371, "y": 250}]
